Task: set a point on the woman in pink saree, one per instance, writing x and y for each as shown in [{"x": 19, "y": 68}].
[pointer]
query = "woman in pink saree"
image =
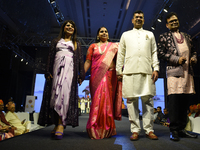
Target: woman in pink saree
[{"x": 105, "y": 90}]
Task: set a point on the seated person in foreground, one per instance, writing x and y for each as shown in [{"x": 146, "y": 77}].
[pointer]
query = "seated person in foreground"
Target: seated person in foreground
[
  {"x": 3, "y": 122},
  {"x": 192, "y": 111},
  {"x": 6, "y": 131},
  {"x": 197, "y": 110},
  {"x": 12, "y": 118}
]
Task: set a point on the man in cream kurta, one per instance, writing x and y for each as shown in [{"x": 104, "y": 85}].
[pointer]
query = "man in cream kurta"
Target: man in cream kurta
[
  {"x": 83, "y": 101},
  {"x": 138, "y": 55},
  {"x": 12, "y": 118},
  {"x": 88, "y": 106}
]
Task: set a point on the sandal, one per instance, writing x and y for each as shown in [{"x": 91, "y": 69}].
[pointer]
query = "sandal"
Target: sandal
[{"x": 58, "y": 137}]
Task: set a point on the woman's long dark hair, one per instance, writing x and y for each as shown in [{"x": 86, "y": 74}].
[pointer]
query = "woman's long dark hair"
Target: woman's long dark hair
[
  {"x": 98, "y": 40},
  {"x": 62, "y": 33}
]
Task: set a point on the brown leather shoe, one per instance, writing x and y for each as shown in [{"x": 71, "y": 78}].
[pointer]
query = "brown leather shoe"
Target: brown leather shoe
[
  {"x": 134, "y": 136},
  {"x": 151, "y": 136}
]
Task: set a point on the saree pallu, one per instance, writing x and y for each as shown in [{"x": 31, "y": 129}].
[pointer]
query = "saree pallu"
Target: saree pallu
[
  {"x": 61, "y": 85},
  {"x": 103, "y": 88},
  {"x": 8, "y": 135},
  {"x": 5, "y": 135}
]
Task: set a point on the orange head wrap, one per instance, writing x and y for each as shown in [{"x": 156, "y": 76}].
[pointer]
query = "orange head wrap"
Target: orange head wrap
[
  {"x": 191, "y": 107},
  {"x": 1, "y": 101}
]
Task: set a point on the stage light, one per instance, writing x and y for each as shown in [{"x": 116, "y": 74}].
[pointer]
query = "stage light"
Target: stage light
[
  {"x": 166, "y": 9},
  {"x": 159, "y": 18},
  {"x": 153, "y": 27},
  {"x": 22, "y": 59},
  {"x": 56, "y": 10},
  {"x": 26, "y": 63},
  {"x": 52, "y": 1},
  {"x": 15, "y": 56}
]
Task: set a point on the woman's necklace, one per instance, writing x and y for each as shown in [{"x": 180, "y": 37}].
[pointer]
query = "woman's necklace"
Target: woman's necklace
[
  {"x": 100, "y": 51},
  {"x": 180, "y": 41}
]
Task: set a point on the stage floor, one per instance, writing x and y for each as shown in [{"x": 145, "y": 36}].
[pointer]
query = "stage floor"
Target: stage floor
[{"x": 77, "y": 139}]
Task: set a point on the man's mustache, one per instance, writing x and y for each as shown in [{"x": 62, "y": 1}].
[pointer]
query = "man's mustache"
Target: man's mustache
[{"x": 139, "y": 21}]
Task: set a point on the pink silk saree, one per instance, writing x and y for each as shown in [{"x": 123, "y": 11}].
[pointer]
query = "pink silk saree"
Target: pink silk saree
[{"x": 105, "y": 92}]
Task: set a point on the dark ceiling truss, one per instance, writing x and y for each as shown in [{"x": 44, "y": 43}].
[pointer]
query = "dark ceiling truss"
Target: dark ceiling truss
[
  {"x": 45, "y": 41},
  {"x": 120, "y": 17},
  {"x": 58, "y": 14},
  {"x": 159, "y": 16},
  {"x": 32, "y": 40},
  {"x": 88, "y": 18},
  {"x": 19, "y": 53},
  {"x": 83, "y": 12}
]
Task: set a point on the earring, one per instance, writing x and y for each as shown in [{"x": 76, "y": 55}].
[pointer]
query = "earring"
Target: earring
[{"x": 97, "y": 38}]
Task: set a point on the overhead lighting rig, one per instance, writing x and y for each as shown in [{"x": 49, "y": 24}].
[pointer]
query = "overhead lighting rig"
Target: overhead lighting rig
[
  {"x": 166, "y": 9},
  {"x": 153, "y": 27},
  {"x": 163, "y": 10},
  {"x": 56, "y": 10},
  {"x": 159, "y": 19},
  {"x": 21, "y": 55}
]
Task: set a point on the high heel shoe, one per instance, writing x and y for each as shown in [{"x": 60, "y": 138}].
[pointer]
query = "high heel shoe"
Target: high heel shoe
[{"x": 58, "y": 137}]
